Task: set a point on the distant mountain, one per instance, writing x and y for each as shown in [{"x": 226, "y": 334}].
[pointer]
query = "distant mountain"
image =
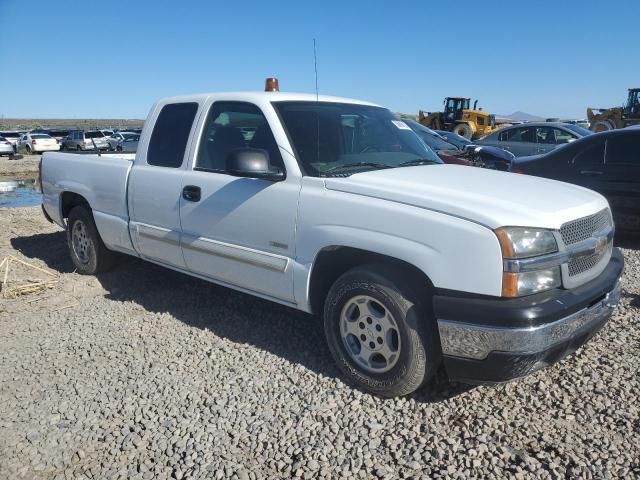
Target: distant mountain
[{"x": 523, "y": 117}]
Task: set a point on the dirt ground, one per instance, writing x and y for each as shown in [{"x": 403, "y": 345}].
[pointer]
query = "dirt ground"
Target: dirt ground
[{"x": 25, "y": 166}]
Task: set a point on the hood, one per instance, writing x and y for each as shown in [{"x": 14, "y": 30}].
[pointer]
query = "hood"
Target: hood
[{"x": 489, "y": 197}]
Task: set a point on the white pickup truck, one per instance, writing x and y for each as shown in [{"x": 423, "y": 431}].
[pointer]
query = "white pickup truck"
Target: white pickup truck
[{"x": 335, "y": 207}]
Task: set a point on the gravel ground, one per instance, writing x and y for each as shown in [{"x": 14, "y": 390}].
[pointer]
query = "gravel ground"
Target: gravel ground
[{"x": 146, "y": 373}]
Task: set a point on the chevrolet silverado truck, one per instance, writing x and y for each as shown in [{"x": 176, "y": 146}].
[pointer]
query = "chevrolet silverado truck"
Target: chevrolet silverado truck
[{"x": 335, "y": 207}]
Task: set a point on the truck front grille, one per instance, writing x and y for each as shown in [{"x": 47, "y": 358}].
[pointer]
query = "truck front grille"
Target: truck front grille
[{"x": 582, "y": 229}]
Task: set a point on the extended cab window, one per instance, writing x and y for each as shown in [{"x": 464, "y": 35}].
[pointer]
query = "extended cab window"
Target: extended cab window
[
  {"x": 170, "y": 134},
  {"x": 233, "y": 125}
]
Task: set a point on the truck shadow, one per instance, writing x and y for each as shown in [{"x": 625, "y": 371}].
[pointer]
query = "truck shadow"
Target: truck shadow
[{"x": 288, "y": 333}]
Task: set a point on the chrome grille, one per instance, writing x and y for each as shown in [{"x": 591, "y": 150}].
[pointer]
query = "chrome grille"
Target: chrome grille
[
  {"x": 583, "y": 228},
  {"x": 582, "y": 264}
]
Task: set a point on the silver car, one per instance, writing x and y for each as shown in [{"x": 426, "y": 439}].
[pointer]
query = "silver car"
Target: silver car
[
  {"x": 129, "y": 144},
  {"x": 533, "y": 138},
  {"x": 81, "y": 140},
  {"x": 117, "y": 138}
]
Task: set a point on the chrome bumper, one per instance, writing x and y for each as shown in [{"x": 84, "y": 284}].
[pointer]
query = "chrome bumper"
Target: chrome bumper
[{"x": 465, "y": 340}]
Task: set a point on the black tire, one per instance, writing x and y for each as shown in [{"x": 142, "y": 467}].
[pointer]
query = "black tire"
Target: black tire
[
  {"x": 78, "y": 148},
  {"x": 28, "y": 149},
  {"x": 93, "y": 256},
  {"x": 603, "y": 126},
  {"x": 419, "y": 354},
  {"x": 464, "y": 130}
]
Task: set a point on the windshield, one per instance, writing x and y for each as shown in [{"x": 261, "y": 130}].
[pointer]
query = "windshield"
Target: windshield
[
  {"x": 342, "y": 138},
  {"x": 577, "y": 129},
  {"x": 428, "y": 136}
]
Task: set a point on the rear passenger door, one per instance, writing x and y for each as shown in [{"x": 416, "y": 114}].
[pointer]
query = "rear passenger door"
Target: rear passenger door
[
  {"x": 155, "y": 185},
  {"x": 587, "y": 166},
  {"x": 621, "y": 179}
]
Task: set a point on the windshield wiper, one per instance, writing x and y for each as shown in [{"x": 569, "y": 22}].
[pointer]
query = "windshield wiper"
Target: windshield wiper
[
  {"x": 349, "y": 166},
  {"x": 419, "y": 161}
]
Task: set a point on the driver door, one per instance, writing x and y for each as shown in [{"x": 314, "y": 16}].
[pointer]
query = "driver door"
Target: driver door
[{"x": 239, "y": 231}]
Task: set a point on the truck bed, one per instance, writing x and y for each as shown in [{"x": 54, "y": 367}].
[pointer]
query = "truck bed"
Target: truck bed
[{"x": 101, "y": 180}]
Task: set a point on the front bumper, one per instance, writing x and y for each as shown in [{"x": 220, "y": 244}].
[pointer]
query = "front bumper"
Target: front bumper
[{"x": 489, "y": 340}]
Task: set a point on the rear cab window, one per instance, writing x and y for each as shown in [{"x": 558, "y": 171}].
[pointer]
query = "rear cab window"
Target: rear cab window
[{"x": 171, "y": 134}]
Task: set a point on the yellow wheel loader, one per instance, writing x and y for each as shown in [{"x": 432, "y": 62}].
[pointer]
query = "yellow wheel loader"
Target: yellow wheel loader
[
  {"x": 603, "y": 119},
  {"x": 459, "y": 118}
]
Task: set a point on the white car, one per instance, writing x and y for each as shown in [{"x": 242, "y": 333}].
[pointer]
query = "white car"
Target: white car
[
  {"x": 6, "y": 147},
  {"x": 335, "y": 207},
  {"x": 38, "y": 143}
]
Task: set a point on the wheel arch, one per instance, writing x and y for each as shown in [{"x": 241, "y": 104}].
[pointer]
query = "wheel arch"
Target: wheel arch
[
  {"x": 68, "y": 200},
  {"x": 333, "y": 261}
]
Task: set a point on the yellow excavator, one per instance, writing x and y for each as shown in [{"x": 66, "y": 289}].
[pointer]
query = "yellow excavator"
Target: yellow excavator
[
  {"x": 603, "y": 119},
  {"x": 459, "y": 118}
]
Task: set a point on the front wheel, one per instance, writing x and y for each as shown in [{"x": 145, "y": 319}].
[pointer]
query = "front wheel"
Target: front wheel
[
  {"x": 379, "y": 331},
  {"x": 88, "y": 252}
]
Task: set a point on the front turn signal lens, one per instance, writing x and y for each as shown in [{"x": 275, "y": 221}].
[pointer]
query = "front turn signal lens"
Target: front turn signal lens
[{"x": 527, "y": 283}]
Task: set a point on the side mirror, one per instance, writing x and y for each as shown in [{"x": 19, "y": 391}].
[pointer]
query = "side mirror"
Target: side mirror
[{"x": 252, "y": 163}]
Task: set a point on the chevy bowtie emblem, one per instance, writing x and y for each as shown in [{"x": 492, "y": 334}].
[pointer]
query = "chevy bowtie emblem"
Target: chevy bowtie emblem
[{"x": 601, "y": 243}]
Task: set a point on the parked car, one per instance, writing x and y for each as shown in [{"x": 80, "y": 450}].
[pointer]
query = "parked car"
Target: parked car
[
  {"x": 117, "y": 137},
  {"x": 478, "y": 156},
  {"x": 455, "y": 139},
  {"x": 6, "y": 147},
  {"x": 607, "y": 162},
  {"x": 129, "y": 144},
  {"x": 533, "y": 138},
  {"x": 81, "y": 140},
  {"x": 334, "y": 207},
  {"x": 59, "y": 135},
  {"x": 12, "y": 137},
  {"x": 37, "y": 143}
]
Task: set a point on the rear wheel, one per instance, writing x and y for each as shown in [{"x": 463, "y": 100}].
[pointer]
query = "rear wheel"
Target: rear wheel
[
  {"x": 88, "y": 252},
  {"x": 379, "y": 332},
  {"x": 464, "y": 130},
  {"x": 28, "y": 149},
  {"x": 78, "y": 148}
]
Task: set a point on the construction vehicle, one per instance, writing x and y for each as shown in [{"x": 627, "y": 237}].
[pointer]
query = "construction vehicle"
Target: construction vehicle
[
  {"x": 459, "y": 118},
  {"x": 603, "y": 119}
]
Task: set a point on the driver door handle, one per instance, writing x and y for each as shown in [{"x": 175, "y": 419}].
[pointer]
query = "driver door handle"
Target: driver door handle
[
  {"x": 191, "y": 193},
  {"x": 590, "y": 172}
]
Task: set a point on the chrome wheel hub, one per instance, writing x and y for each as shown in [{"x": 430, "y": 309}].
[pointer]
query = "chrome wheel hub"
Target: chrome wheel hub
[
  {"x": 370, "y": 334},
  {"x": 80, "y": 241}
]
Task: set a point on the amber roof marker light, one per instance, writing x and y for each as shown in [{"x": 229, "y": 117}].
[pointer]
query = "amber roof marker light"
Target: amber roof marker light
[{"x": 271, "y": 85}]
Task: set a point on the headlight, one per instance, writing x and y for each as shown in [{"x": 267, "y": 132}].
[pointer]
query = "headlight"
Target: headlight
[{"x": 522, "y": 242}]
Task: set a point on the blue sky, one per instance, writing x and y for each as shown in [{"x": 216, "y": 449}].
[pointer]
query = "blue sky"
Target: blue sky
[{"x": 550, "y": 58}]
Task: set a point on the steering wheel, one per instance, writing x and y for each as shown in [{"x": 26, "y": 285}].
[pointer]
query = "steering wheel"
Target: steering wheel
[{"x": 369, "y": 149}]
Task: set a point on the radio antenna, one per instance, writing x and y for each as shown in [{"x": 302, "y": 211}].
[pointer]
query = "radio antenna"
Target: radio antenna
[{"x": 315, "y": 66}]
